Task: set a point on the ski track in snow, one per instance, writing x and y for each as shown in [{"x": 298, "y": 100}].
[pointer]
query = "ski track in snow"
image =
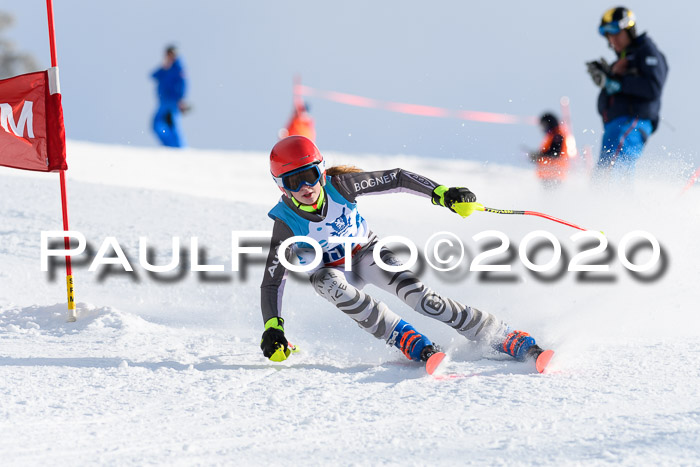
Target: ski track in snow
[{"x": 166, "y": 369}]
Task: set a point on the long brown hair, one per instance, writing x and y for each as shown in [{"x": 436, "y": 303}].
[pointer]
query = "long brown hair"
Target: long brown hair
[{"x": 342, "y": 169}]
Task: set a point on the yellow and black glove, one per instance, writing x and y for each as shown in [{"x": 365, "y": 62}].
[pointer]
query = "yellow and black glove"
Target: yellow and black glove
[
  {"x": 457, "y": 199},
  {"x": 273, "y": 343}
]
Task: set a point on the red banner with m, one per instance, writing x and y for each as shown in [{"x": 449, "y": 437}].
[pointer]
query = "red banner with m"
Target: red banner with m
[{"x": 32, "y": 135}]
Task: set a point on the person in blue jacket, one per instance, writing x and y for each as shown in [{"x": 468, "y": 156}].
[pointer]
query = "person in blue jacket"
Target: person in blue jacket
[
  {"x": 171, "y": 91},
  {"x": 630, "y": 95}
]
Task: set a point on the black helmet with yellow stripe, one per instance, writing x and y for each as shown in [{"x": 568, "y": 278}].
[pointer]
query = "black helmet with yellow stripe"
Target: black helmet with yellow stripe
[{"x": 618, "y": 19}]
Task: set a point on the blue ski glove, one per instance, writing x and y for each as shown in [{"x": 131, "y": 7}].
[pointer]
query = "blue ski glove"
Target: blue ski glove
[
  {"x": 273, "y": 343},
  {"x": 457, "y": 199},
  {"x": 612, "y": 86}
]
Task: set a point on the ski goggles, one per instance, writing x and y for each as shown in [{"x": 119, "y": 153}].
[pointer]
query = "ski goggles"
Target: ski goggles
[
  {"x": 296, "y": 179},
  {"x": 610, "y": 28},
  {"x": 614, "y": 27}
]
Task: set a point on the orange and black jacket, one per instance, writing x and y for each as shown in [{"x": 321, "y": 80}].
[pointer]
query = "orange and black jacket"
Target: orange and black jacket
[{"x": 554, "y": 144}]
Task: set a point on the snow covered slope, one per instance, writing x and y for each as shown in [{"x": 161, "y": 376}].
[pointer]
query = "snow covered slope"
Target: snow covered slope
[{"x": 165, "y": 368}]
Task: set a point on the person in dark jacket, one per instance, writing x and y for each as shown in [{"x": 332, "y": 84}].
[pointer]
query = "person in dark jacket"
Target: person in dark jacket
[
  {"x": 630, "y": 95},
  {"x": 171, "y": 91}
]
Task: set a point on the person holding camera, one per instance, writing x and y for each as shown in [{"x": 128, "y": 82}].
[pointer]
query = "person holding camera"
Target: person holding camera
[{"x": 630, "y": 94}]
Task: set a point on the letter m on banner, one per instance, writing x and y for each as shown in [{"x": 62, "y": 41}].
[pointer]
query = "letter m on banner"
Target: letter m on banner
[{"x": 32, "y": 136}]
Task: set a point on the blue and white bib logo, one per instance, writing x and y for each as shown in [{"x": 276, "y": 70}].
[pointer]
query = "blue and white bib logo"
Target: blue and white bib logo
[{"x": 340, "y": 226}]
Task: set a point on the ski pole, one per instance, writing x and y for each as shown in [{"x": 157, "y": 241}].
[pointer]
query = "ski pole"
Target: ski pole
[
  {"x": 281, "y": 355},
  {"x": 465, "y": 209},
  {"x": 691, "y": 180}
]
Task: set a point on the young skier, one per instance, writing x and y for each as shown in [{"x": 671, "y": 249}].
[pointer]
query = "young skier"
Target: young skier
[{"x": 319, "y": 204}]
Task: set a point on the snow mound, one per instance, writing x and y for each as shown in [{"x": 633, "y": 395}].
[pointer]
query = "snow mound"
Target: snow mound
[{"x": 51, "y": 320}]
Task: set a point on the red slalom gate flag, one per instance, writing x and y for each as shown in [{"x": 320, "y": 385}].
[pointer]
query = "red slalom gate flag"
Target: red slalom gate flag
[{"x": 32, "y": 135}]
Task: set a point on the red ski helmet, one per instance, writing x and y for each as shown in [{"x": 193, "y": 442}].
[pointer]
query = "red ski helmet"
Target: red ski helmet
[{"x": 293, "y": 153}]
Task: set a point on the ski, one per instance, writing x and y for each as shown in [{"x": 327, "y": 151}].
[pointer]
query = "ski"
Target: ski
[
  {"x": 434, "y": 362},
  {"x": 543, "y": 359},
  {"x": 541, "y": 356}
]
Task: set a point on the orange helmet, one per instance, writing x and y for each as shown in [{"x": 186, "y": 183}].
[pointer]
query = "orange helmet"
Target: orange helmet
[{"x": 295, "y": 161}]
